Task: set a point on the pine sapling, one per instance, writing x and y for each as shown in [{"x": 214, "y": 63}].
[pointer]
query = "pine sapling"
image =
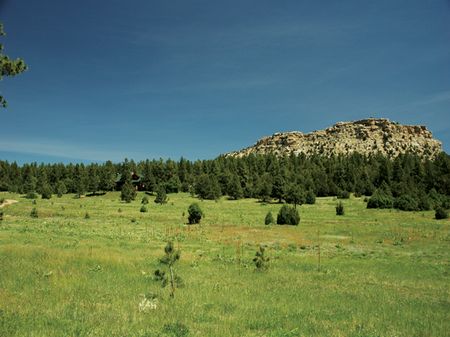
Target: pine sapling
[
  {"x": 169, "y": 277},
  {"x": 261, "y": 260}
]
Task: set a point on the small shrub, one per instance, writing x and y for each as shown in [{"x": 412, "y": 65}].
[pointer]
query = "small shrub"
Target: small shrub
[
  {"x": 176, "y": 329},
  {"x": 440, "y": 213},
  {"x": 260, "y": 260},
  {"x": 1, "y": 215},
  {"x": 340, "y": 209},
  {"x": 343, "y": 194},
  {"x": 2, "y": 200},
  {"x": 357, "y": 194},
  {"x": 269, "y": 219},
  {"x": 195, "y": 214},
  {"x": 119, "y": 210},
  {"x": 87, "y": 216},
  {"x": 31, "y": 195},
  {"x": 34, "y": 213},
  {"x": 288, "y": 216},
  {"x": 143, "y": 209},
  {"x": 310, "y": 198},
  {"x": 46, "y": 192},
  {"x": 144, "y": 200},
  {"x": 424, "y": 203}
]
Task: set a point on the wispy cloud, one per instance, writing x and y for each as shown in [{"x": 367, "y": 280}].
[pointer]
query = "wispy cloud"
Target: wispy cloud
[
  {"x": 437, "y": 97},
  {"x": 57, "y": 149}
]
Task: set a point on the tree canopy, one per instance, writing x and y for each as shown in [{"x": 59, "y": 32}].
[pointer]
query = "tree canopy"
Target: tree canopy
[{"x": 8, "y": 66}]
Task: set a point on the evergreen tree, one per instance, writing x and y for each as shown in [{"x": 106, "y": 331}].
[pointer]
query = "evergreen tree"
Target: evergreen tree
[
  {"x": 128, "y": 192},
  {"x": 107, "y": 177},
  {"x": 288, "y": 216},
  {"x": 169, "y": 277},
  {"x": 295, "y": 195},
  {"x": 310, "y": 198},
  {"x": 207, "y": 187},
  {"x": 269, "y": 218},
  {"x": 46, "y": 191},
  {"x": 279, "y": 188},
  {"x": 61, "y": 188},
  {"x": 234, "y": 188},
  {"x": 265, "y": 188},
  {"x": 9, "y": 67},
  {"x": 195, "y": 214},
  {"x": 161, "y": 196}
]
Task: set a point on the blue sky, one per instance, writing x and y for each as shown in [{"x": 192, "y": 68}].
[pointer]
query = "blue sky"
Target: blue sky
[{"x": 149, "y": 79}]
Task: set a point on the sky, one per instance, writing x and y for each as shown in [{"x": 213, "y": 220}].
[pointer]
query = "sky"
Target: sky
[{"x": 109, "y": 80}]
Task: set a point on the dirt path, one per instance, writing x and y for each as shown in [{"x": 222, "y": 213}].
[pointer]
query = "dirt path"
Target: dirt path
[{"x": 8, "y": 202}]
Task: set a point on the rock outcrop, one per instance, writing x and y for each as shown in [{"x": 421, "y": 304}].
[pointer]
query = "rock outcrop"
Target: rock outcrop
[{"x": 367, "y": 136}]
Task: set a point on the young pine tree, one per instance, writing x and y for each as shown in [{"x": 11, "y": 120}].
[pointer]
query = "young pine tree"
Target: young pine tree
[
  {"x": 260, "y": 260},
  {"x": 128, "y": 192},
  {"x": 161, "y": 196},
  {"x": 169, "y": 276},
  {"x": 269, "y": 219}
]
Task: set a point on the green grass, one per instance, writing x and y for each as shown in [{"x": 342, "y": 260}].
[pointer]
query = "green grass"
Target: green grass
[{"x": 383, "y": 272}]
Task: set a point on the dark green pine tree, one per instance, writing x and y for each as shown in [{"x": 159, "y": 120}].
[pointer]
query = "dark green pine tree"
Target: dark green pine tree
[
  {"x": 161, "y": 195},
  {"x": 295, "y": 195},
  {"x": 9, "y": 67},
  {"x": 279, "y": 188},
  {"x": 234, "y": 188},
  {"x": 61, "y": 188},
  {"x": 265, "y": 188},
  {"x": 128, "y": 192}
]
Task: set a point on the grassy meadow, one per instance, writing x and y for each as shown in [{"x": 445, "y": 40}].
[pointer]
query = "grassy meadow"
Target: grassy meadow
[{"x": 84, "y": 266}]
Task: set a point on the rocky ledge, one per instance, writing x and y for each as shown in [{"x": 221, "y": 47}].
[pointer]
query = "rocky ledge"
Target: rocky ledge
[{"x": 367, "y": 136}]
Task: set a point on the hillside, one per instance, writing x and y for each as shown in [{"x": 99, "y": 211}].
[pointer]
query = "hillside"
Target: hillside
[{"x": 367, "y": 136}]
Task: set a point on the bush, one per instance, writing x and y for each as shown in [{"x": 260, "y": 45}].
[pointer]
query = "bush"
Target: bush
[
  {"x": 2, "y": 200},
  {"x": 46, "y": 193},
  {"x": 310, "y": 198},
  {"x": 31, "y": 195},
  {"x": 406, "y": 203},
  {"x": 343, "y": 194},
  {"x": 269, "y": 219},
  {"x": 144, "y": 200},
  {"x": 143, "y": 209},
  {"x": 441, "y": 213},
  {"x": 288, "y": 216},
  {"x": 195, "y": 214},
  {"x": 424, "y": 203},
  {"x": 176, "y": 329},
  {"x": 87, "y": 216},
  {"x": 260, "y": 260},
  {"x": 1, "y": 215},
  {"x": 34, "y": 213},
  {"x": 340, "y": 209},
  {"x": 380, "y": 200}
]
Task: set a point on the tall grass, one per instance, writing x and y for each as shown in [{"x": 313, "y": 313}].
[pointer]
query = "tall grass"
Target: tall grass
[{"x": 383, "y": 272}]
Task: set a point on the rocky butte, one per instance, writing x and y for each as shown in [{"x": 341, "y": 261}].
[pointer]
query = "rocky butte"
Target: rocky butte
[{"x": 366, "y": 136}]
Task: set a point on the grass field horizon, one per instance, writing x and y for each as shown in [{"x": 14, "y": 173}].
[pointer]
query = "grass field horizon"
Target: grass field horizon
[{"x": 84, "y": 266}]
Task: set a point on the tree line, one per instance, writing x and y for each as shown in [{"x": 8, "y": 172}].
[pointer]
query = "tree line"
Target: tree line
[{"x": 290, "y": 178}]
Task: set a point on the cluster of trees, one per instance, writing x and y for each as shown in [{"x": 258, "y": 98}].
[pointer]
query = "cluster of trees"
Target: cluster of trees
[{"x": 294, "y": 179}]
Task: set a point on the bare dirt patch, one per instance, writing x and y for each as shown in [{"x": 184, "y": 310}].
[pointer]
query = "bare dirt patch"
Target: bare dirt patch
[{"x": 8, "y": 202}]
